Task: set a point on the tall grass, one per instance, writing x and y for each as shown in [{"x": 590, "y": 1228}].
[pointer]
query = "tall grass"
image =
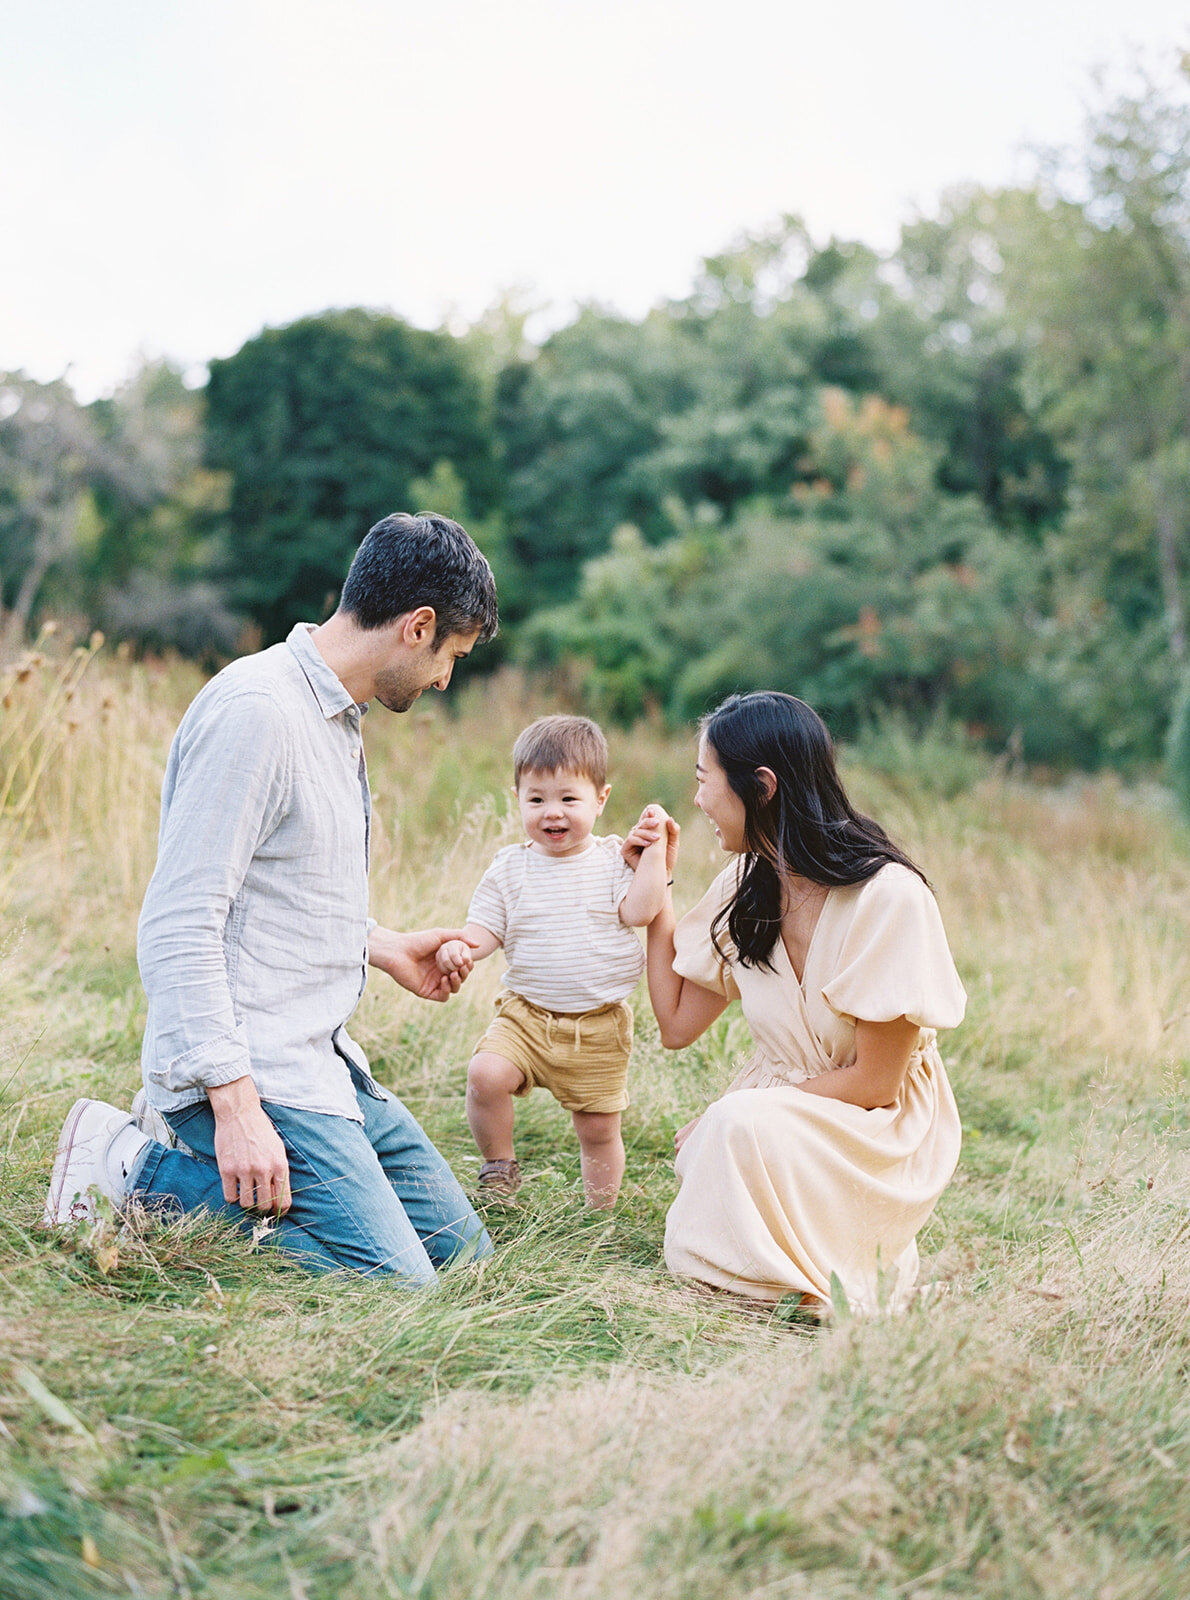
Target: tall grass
[{"x": 180, "y": 1415}]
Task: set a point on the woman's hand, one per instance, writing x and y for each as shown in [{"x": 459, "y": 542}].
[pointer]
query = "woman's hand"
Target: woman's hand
[{"x": 684, "y": 1133}]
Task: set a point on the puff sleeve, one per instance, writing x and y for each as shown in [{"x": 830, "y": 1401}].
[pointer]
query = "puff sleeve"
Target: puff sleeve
[
  {"x": 894, "y": 960},
  {"x": 695, "y": 955}
]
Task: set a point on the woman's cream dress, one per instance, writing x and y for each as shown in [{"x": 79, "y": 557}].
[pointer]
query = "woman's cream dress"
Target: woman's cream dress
[{"x": 780, "y": 1188}]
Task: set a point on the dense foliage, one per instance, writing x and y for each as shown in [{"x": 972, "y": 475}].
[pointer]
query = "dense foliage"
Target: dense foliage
[
  {"x": 953, "y": 481},
  {"x": 318, "y": 425}
]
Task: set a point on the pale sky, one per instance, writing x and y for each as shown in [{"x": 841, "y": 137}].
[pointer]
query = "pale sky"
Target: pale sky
[{"x": 175, "y": 174}]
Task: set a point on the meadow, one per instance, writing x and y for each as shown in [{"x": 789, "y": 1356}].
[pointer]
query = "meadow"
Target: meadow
[{"x": 184, "y": 1415}]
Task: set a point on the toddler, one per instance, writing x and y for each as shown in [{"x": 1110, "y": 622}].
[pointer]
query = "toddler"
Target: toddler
[{"x": 563, "y": 905}]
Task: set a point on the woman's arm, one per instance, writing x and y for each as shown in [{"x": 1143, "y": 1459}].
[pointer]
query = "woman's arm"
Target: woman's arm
[
  {"x": 683, "y": 1009},
  {"x": 882, "y": 1054}
]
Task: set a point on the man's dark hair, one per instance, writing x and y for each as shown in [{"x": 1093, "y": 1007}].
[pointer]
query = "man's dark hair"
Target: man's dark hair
[{"x": 424, "y": 560}]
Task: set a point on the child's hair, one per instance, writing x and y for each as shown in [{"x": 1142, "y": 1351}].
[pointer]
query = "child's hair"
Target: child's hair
[{"x": 561, "y": 744}]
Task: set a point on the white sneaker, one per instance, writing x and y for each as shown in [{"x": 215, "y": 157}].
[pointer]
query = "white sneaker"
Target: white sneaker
[
  {"x": 97, "y": 1150},
  {"x": 150, "y": 1122}
]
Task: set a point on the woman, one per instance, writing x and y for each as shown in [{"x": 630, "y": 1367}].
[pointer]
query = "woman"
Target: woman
[{"x": 830, "y": 1149}]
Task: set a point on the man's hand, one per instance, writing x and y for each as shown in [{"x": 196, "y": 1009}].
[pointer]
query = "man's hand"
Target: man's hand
[
  {"x": 653, "y": 823},
  {"x": 411, "y": 959},
  {"x": 251, "y": 1157}
]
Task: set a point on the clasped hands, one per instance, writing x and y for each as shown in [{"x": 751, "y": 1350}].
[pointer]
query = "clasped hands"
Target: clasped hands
[
  {"x": 416, "y": 960},
  {"x": 653, "y": 823}
]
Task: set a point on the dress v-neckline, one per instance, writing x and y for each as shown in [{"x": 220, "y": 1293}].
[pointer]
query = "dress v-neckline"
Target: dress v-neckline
[{"x": 801, "y": 981}]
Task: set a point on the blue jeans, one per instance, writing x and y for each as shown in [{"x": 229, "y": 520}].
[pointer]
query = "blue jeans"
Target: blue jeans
[{"x": 370, "y": 1197}]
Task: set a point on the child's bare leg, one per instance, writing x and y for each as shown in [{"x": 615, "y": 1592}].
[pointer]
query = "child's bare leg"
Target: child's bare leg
[
  {"x": 491, "y": 1083},
  {"x": 602, "y": 1151}
]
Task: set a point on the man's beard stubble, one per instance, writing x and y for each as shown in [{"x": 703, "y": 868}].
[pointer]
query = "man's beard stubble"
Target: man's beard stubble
[{"x": 396, "y": 689}]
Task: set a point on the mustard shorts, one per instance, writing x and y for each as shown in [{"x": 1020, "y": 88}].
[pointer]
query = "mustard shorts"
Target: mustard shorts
[{"x": 581, "y": 1058}]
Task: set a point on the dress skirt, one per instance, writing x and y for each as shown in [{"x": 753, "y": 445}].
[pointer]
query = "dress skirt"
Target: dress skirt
[{"x": 783, "y": 1190}]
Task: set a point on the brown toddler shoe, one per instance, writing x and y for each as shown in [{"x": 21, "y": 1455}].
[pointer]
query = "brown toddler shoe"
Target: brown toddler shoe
[{"x": 500, "y": 1180}]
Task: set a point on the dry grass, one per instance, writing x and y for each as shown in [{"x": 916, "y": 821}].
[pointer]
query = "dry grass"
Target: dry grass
[
  {"x": 883, "y": 1461},
  {"x": 190, "y": 1419}
]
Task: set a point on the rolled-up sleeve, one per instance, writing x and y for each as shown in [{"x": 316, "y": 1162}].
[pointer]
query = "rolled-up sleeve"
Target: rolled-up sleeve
[{"x": 225, "y": 789}]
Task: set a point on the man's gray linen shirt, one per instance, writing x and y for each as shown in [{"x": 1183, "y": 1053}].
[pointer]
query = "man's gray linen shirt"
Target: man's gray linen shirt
[{"x": 253, "y": 937}]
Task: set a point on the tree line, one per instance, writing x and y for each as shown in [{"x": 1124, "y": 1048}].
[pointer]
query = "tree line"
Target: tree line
[{"x": 951, "y": 480}]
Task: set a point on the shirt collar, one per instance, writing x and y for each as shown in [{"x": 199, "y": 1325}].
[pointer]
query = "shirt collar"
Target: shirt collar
[{"x": 332, "y": 697}]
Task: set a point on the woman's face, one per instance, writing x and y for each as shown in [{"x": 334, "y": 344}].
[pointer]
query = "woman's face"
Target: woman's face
[{"x": 717, "y": 800}]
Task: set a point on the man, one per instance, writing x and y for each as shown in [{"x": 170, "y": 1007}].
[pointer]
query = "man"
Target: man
[{"x": 254, "y": 940}]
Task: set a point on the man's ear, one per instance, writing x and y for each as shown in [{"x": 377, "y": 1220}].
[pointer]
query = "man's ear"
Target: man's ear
[
  {"x": 419, "y": 626},
  {"x": 768, "y": 782}
]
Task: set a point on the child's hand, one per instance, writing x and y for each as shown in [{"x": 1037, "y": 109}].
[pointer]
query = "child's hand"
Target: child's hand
[{"x": 454, "y": 956}]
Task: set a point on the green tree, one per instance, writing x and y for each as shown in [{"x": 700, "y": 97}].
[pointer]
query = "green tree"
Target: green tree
[
  {"x": 150, "y": 575},
  {"x": 1177, "y": 753},
  {"x": 948, "y": 349},
  {"x": 706, "y": 401},
  {"x": 52, "y": 458},
  {"x": 1096, "y": 272},
  {"x": 866, "y": 586},
  {"x": 574, "y": 422},
  {"x": 322, "y": 427}
]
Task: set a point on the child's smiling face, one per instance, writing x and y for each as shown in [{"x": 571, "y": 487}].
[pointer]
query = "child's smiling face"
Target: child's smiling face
[{"x": 558, "y": 810}]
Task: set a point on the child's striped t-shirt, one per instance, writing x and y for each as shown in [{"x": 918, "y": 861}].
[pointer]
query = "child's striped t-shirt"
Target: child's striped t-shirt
[{"x": 558, "y": 918}]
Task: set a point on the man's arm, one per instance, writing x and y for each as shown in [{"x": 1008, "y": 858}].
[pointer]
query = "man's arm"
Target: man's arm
[{"x": 225, "y": 789}]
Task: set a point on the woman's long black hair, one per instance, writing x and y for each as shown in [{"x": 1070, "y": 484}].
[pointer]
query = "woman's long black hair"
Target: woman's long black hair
[{"x": 808, "y": 827}]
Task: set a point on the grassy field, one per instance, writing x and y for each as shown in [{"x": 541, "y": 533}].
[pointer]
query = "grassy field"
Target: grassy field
[{"x": 182, "y": 1417}]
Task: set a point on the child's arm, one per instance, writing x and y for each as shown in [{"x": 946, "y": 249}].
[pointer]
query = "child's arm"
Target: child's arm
[
  {"x": 460, "y": 955},
  {"x": 646, "y": 896}
]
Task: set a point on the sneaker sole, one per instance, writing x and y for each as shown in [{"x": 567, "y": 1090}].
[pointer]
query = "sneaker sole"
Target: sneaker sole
[{"x": 80, "y": 1209}]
